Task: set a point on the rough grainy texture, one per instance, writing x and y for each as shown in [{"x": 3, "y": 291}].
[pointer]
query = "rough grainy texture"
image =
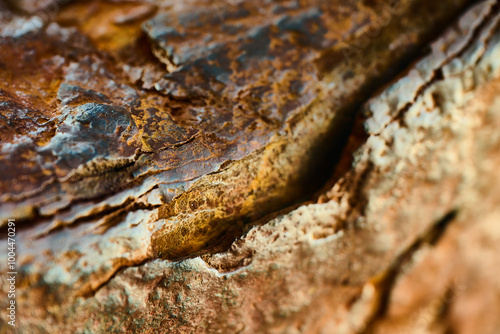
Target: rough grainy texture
[
  {"x": 141, "y": 154},
  {"x": 254, "y": 103}
]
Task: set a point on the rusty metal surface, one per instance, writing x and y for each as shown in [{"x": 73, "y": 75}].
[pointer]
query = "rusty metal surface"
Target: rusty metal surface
[
  {"x": 114, "y": 161},
  {"x": 110, "y": 99},
  {"x": 131, "y": 131}
]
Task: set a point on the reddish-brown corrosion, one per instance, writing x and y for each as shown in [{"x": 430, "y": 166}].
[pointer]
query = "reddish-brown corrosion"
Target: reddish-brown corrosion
[{"x": 99, "y": 98}]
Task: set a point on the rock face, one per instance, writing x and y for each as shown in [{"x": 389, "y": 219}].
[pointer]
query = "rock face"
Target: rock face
[{"x": 167, "y": 177}]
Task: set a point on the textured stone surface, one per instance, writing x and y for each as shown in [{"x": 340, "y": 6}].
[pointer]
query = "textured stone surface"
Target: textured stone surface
[
  {"x": 235, "y": 104},
  {"x": 113, "y": 161}
]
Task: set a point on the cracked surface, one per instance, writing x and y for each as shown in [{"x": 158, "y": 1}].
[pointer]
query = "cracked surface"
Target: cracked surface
[{"x": 119, "y": 159}]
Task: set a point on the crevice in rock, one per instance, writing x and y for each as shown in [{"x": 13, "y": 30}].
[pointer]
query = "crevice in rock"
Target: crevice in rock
[
  {"x": 347, "y": 135},
  {"x": 437, "y": 74},
  {"x": 115, "y": 217},
  {"x": 90, "y": 290},
  {"x": 107, "y": 214},
  {"x": 95, "y": 215},
  {"x": 429, "y": 238},
  {"x": 336, "y": 158}
]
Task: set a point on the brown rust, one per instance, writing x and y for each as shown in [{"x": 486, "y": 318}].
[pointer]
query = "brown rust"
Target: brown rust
[{"x": 233, "y": 120}]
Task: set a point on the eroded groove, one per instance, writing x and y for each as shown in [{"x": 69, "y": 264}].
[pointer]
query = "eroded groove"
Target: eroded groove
[
  {"x": 106, "y": 213},
  {"x": 89, "y": 290},
  {"x": 348, "y": 136},
  {"x": 429, "y": 238},
  {"x": 437, "y": 74}
]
